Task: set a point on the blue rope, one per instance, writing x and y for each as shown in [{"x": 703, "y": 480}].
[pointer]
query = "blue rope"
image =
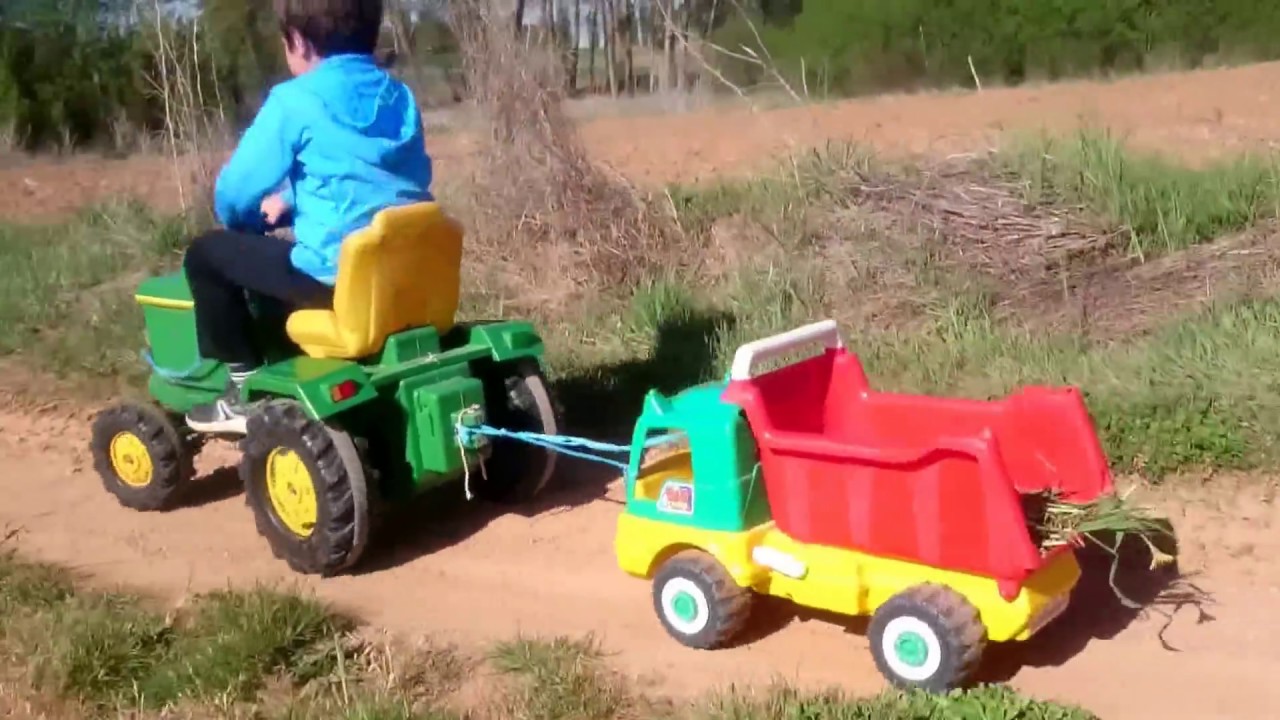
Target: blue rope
[
  {"x": 168, "y": 374},
  {"x": 563, "y": 444}
]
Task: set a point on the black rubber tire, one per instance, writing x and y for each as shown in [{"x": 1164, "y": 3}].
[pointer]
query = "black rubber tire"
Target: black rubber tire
[
  {"x": 517, "y": 397},
  {"x": 955, "y": 625},
  {"x": 341, "y": 532},
  {"x": 172, "y": 458},
  {"x": 726, "y": 604}
]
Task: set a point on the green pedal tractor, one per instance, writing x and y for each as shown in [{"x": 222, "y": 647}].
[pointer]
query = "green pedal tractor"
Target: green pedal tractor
[{"x": 357, "y": 408}]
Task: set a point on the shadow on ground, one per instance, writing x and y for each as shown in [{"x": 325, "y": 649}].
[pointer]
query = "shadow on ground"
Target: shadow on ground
[
  {"x": 1099, "y": 612},
  {"x": 601, "y": 404},
  {"x": 214, "y": 487}
]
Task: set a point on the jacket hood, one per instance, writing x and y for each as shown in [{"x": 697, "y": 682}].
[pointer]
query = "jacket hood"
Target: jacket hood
[{"x": 356, "y": 93}]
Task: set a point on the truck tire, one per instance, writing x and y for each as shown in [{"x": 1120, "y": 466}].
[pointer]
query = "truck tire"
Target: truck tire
[
  {"x": 928, "y": 637},
  {"x": 305, "y": 483},
  {"x": 698, "y": 602},
  {"x": 518, "y": 398},
  {"x": 142, "y": 456}
]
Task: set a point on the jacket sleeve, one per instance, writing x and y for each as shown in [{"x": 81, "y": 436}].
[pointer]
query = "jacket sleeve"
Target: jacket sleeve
[
  {"x": 421, "y": 169},
  {"x": 261, "y": 162}
]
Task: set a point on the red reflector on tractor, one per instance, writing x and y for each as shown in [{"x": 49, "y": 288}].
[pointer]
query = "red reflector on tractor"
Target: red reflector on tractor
[{"x": 344, "y": 390}]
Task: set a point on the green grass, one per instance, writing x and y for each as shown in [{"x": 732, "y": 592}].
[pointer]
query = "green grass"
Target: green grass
[
  {"x": 565, "y": 678},
  {"x": 66, "y": 300},
  {"x": 983, "y": 703},
  {"x": 1183, "y": 396},
  {"x": 1159, "y": 204},
  {"x": 263, "y": 653},
  {"x": 114, "y": 650}
]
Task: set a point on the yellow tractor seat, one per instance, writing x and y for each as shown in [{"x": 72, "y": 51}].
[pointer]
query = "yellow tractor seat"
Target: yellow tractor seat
[{"x": 401, "y": 272}]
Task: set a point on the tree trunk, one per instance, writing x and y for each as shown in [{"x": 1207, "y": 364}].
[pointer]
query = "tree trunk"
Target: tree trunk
[
  {"x": 593, "y": 27},
  {"x": 631, "y": 28},
  {"x": 668, "y": 47},
  {"x": 519, "y": 17},
  {"x": 651, "y": 37},
  {"x": 682, "y": 64},
  {"x": 575, "y": 46},
  {"x": 611, "y": 45}
]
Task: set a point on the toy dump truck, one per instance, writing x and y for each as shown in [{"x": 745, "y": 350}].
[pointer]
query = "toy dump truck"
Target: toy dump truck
[
  {"x": 357, "y": 406},
  {"x": 803, "y": 483}
]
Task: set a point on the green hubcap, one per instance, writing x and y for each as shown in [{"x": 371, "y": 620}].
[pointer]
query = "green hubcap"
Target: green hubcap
[
  {"x": 685, "y": 607},
  {"x": 911, "y": 649}
]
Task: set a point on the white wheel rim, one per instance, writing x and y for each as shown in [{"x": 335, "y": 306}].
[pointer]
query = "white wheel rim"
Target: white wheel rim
[
  {"x": 901, "y": 645},
  {"x": 677, "y": 593}
]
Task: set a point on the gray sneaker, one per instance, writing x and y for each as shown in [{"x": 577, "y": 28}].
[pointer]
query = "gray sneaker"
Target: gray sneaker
[{"x": 226, "y": 415}]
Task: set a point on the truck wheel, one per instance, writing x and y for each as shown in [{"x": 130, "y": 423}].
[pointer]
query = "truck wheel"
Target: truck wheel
[
  {"x": 697, "y": 601},
  {"x": 928, "y": 637},
  {"x": 142, "y": 456},
  {"x": 518, "y": 400},
  {"x": 305, "y": 483}
]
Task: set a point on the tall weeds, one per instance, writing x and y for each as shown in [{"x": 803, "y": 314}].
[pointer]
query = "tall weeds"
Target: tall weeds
[{"x": 541, "y": 205}]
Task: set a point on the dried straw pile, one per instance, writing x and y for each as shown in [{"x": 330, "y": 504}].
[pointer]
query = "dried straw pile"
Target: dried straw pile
[{"x": 540, "y": 201}]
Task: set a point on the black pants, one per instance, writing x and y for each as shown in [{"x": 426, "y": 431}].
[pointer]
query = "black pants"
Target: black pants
[{"x": 222, "y": 266}]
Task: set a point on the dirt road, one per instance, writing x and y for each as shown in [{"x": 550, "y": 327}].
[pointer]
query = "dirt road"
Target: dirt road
[
  {"x": 468, "y": 576},
  {"x": 1196, "y": 115}
]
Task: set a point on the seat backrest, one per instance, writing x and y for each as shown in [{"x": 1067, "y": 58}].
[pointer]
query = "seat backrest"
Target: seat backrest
[{"x": 400, "y": 272}]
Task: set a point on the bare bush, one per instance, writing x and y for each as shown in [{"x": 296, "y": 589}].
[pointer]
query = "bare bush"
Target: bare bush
[
  {"x": 195, "y": 123},
  {"x": 540, "y": 200}
]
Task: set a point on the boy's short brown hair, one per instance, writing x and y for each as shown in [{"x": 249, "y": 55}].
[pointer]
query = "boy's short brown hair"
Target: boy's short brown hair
[{"x": 333, "y": 27}]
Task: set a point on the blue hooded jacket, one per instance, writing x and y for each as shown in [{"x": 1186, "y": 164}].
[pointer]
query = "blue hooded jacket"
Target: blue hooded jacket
[{"x": 348, "y": 140}]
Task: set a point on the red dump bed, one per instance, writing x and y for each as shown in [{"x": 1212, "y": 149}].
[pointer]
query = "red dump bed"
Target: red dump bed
[{"x": 931, "y": 480}]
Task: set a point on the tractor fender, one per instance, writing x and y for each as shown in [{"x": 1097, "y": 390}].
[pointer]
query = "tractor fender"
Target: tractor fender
[
  {"x": 508, "y": 341},
  {"x": 323, "y": 387}
]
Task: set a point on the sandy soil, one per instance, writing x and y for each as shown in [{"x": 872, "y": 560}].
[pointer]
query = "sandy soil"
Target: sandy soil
[
  {"x": 1207, "y": 648},
  {"x": 1197, "y": 115}
]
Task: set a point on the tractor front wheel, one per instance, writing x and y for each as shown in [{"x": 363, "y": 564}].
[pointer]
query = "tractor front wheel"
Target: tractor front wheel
[
  {"x": 305, "y": 483},
  {"x": 142, "y": 456},
  {"x": 518, "y": 399},
  {"x": 928, "y": 637},
  {"x": 698, "y": 602}
]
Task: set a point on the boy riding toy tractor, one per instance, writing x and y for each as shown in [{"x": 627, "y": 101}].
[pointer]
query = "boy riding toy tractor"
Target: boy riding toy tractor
[{"x": 357, "y": 406}]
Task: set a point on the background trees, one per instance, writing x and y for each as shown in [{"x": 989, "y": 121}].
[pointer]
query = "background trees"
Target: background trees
[{"x": 76, "y": 72}]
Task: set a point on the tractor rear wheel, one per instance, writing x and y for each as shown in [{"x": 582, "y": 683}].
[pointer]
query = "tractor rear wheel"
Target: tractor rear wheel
[
  {"x": 142, "y": 456},
  {"x": 928, "y": 637},
  {"x": 518, "y": 398},
  {"x": 305, "y": 482}
]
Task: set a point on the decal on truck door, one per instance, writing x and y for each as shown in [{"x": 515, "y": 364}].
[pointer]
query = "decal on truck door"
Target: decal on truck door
[{"x": 676, "y": 498}]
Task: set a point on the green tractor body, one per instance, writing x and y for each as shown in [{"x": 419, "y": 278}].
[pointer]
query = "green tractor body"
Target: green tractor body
[{"x": 335, "y": 437}]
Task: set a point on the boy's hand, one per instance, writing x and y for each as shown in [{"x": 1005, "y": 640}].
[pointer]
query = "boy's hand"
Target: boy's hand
[{"x": 273, "y": 208}]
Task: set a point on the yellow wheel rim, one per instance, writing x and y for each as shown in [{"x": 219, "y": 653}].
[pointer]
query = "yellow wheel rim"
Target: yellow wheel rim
[
  {"x": 130, "y": 459},
  {"x": 292, "y": 491}
]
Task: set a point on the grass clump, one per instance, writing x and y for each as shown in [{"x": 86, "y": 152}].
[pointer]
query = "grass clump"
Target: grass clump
[
  {"x": 559, "y": 679},
  {"x": 114, "y": 651},
  {"x": 1159, "y": 205},
  {"x": 67, "y": 297},
  {"x": 1107, "y": 522},
  {"x": 260, "y": 653},
  {"x": 233, "y": 641},
  {"x": 982, "y": 703}
]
